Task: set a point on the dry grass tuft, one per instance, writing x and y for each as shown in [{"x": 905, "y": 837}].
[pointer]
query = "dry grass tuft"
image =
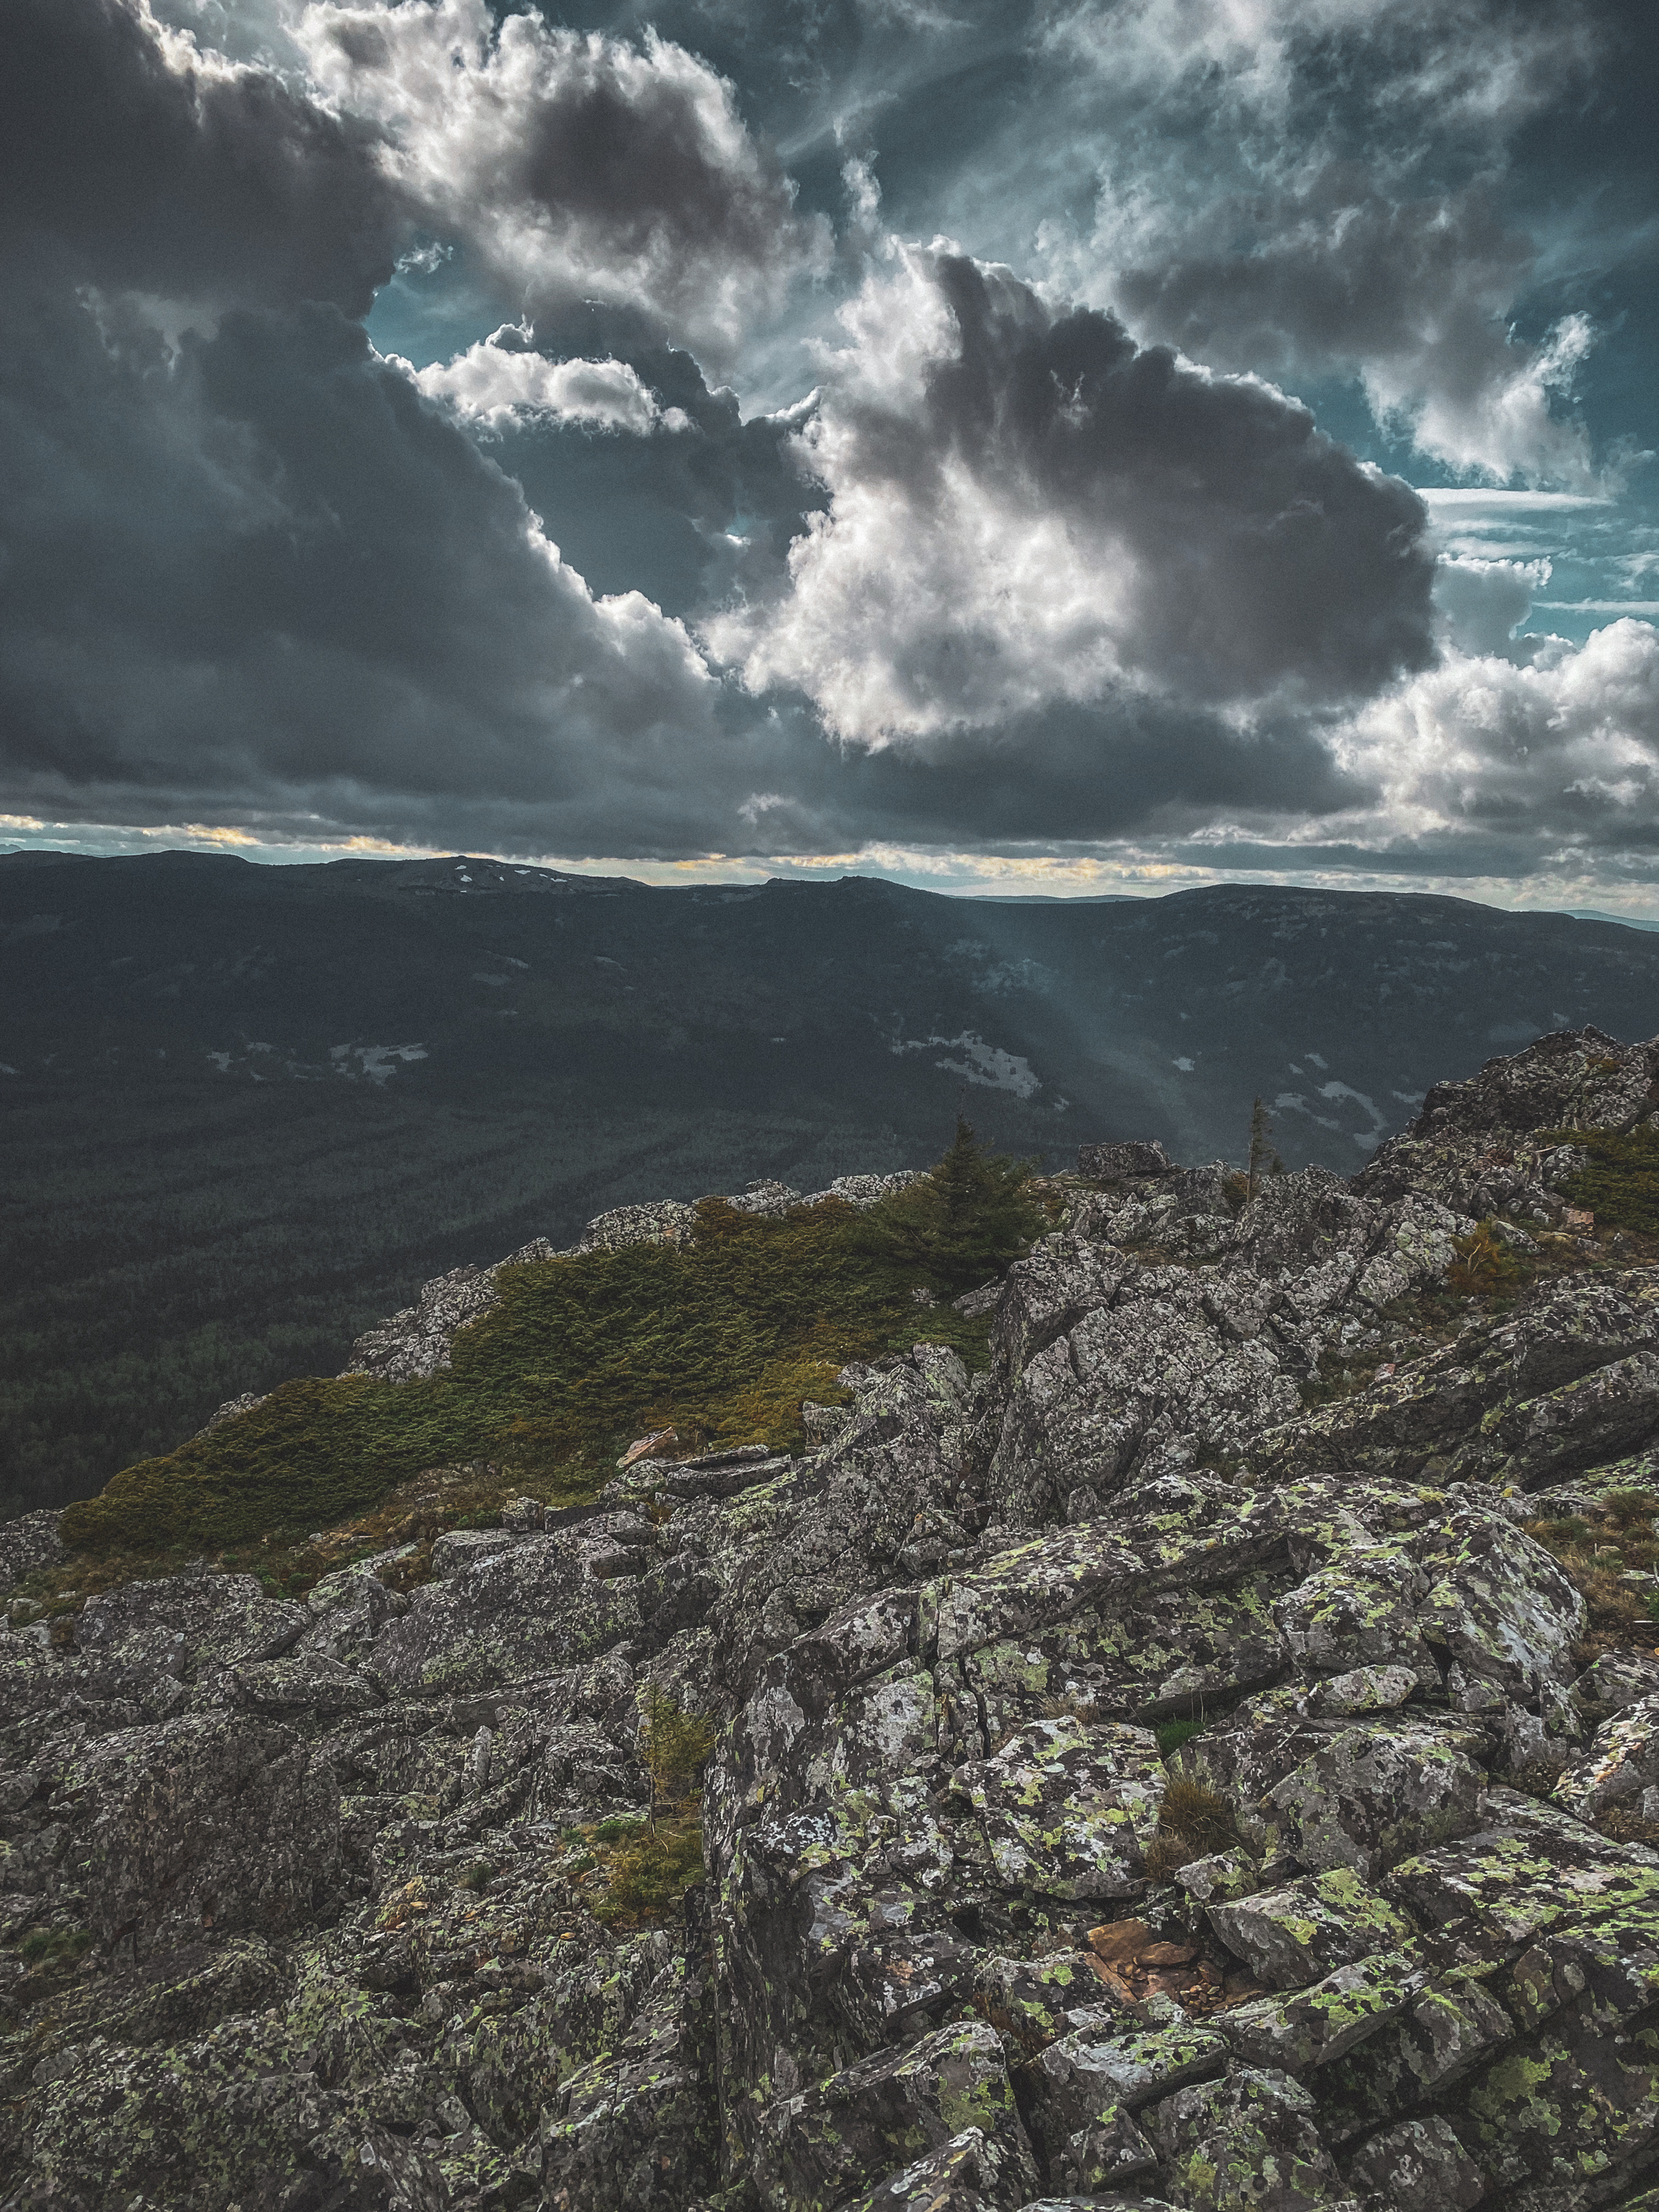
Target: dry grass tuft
[
  {"x": 1192, "y": 1822},
  {"x": 1597, "y": 1551}
]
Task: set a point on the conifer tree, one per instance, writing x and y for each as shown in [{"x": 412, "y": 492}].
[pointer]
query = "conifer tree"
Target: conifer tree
[
  {"x": 1264, "y": 1160},
  {"x": 966, "y": 1219}
]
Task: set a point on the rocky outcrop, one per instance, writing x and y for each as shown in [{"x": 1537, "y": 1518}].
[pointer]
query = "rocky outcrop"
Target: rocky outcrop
[
  {"x": 1479, "y": 1147},
  {"x": 416, "y": 1341},
  {"x": 1143, "y": 1780}
]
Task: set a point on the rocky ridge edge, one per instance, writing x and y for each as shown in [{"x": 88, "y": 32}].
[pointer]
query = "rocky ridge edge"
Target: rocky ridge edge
[{"x": 954, "y": 1949}]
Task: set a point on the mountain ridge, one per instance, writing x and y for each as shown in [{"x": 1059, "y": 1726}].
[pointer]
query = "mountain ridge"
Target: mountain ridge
[
  {"x": 1205, "y": 1758},
  {"x": 249, "y": 1108}
]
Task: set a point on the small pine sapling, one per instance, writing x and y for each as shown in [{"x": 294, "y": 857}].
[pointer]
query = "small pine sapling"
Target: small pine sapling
[
  {"x": 965, "y": 1220},
  {"x": 672, "y": 1745},
  {"x": 1264, "y": 1160}
]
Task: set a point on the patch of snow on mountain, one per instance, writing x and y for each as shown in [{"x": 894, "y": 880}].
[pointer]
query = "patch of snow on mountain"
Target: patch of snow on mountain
[
  {"x": 1292, "y": 1101},
  {"x": 1365, "y": 1138},
  {"x": 374, "y": 1060},
  {"x": 987, "y": 1065}
]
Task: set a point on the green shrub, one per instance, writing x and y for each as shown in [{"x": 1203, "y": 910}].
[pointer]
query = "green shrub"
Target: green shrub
[
  {"x": 614, "y": 1831},
  {"x": 720, "y": 1338},
  {"x": 45, "y": 1947},
  {"x": 673, "y": 1746},
  {"x": 1620, "y": 1185},
  {"x": 647, "y": 1875},
  {"x": 1171, "y": 1734}
]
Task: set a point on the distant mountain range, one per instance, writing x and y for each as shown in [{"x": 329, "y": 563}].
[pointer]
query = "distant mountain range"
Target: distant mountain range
[
  {"x": 247, "y": 1108},
  {"x": 1624, "y": 921}
]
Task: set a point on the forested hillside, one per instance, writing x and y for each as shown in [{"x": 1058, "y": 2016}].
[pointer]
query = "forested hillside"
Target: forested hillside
[{"x": 246, "y": 1110}]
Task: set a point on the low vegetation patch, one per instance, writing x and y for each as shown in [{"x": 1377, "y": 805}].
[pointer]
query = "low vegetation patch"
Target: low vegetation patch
[
  {"x": 1620, "y": 1184},
  {"x": 404, "y": 1523},
  {"x": 44, "y": 1949},
  {"x": 1171, "y": 1734},
  {"x": 647, "y": 1870},
  {"x": 720, "y": 1338},
  {"x": 1193, "y": 1821},
  {"x": 1597, "y": 1551},
  {"x": 648, "y": 1860},
  {"x": 1486, "y": 1263}
]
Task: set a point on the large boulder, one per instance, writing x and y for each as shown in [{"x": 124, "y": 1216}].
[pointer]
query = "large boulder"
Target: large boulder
[
  {"x": 528, "y": 1610},
  {"x": 211, "y": 1821},
  {"x": 1481, "y": 1146}
]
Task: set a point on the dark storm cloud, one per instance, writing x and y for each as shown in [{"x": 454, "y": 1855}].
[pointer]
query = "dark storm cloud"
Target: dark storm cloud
[
  {"x": 572, "y": 164},
  {"x": 236, "y": 616},
  {"x": 266, "y": 572},
  {"x": 1072, "y": 514},
  {"x": 1075, "y": 775},
  {"x": 1050, "y": 585},
  {"x": 248, "y": 573},
  {"x": 125, "y": 164}
]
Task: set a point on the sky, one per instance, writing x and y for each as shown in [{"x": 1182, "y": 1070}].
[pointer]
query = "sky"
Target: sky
[{"x": 1058, "y": 447}]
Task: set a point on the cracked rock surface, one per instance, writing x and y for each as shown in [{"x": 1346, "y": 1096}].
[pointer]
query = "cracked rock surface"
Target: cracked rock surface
[{"x": 291, "y": 1918}]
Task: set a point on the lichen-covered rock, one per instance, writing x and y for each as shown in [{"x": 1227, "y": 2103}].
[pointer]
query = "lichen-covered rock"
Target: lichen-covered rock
[
  {"x": 1078, "y": 2095},
  {"x": 313, "y": 1685},
  {"x": 1292, "y": 1935},
  {"x": 1623, "y": 1764},
  {"x": 815, "y": 2147},
  {"x": 662, "y": 1221},
  {"x": 528, "y": 1610},
  {"x": 637, "y": 2126},
  {"x": 1068, "y": 1806},
  {"x": 270, "y": 2135},
  {"x": 1126, "y": 1161},
  {"x": 1359, "y": 1793},
  {"x": 326, "y": 1904},
  {"x": 210, "y": 1822},
  {"x": 1511, "y": 1402},
  {"x": 972, "y": 2173},
  {"x": 1617, "y": 1680},
  {"x": 1083, "y": 2073},
  {"x": 1247, "y": 2144},
  {"x": 27, "y": 1544},
  {"x": 1417, "y": 2167},
  {"x": 184, "y": 1624},
  {"x": 1318, "y": 2025}
]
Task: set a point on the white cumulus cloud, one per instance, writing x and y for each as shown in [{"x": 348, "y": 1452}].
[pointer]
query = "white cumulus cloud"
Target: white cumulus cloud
[
  {"x": 1565, "y": 747},
  {"x": 495, "y": 384},
  {"x": 573, "y": 165},
  {"x": 1027, "y": 510}
]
